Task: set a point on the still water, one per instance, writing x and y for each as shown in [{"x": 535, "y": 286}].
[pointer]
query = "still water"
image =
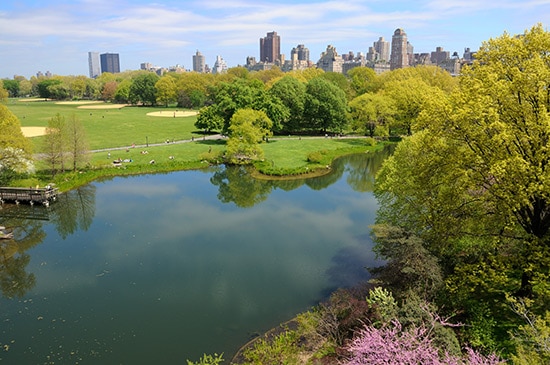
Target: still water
[{"x": 157, "y": 269}]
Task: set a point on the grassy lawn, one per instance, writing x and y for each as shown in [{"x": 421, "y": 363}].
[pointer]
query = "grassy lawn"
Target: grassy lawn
[
  {"x": 114, "y": 131},
  {"x": 107, "y": 127}
]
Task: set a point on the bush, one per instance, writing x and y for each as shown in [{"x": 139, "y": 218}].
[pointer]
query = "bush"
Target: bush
[
  {"x": 208, "y": 360},
  {"x": 315, "y": 157},
  {"x": 281, "y": 349},
  {"x": 395, "y": 345}
]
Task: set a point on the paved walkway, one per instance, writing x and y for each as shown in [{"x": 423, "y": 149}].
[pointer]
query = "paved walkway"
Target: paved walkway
[{"x": 209, "y": 137}]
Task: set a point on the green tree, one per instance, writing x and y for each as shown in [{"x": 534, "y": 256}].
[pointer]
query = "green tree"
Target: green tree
[
  {"x": 248, "y": 128},
  {"x": 325, "y": 106},
  {"x": 77, "y": 143},
  {"x": 54, "y": 143},
  {"x": 229, "y": 97},
  {"x": 122, "y": 93},
  {"x": 474, "y": 182},
  {"x": 368, "y": 111},
  {"x": 292, "y": 93},
  {"x": 142, "y": 90},
  {"x": 166, "y": 90},
  {"x": 362, "y": 80},
  {"x": 43, "y": 87},
  {"x": 12, "y": 86},
  {"x": 11, "y": 135},
  {"x": 208, "y": 119}
]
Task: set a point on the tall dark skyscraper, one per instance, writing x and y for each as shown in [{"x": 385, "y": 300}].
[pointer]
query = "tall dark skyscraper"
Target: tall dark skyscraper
[
  {"x": 270, "y": 48},
  {"x": 110, "y": 62}
]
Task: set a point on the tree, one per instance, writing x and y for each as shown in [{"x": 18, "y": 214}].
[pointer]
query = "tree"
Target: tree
[
  {"x": 248, "y": 128},
  {"x": 12, "y": 86},
  {"x": 109, "y": 90},
  {"x": 77, "y": 143},
  {"x": 362, "y": 80},
  {"x": 43, "y": 87},
  {"x": 142, "y": 90},
  {"x": 325, "y": 106},
  {"x": 368, "y": 111},
  {"x": 474, "y": 181},
  {"x": 54, "y": 143},
  {"x": 409, "y": 98},
  {"x": 395, "y": 345},
  {"x": 208, "y": 119},
  {"x": 166, "y": 90},
  {"x": 122, "y": 93},
  {"x": 11, "y": 135},
  {"x": 292, "y": 93}
]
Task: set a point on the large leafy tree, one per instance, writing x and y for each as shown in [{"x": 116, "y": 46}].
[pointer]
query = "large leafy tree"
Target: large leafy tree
[
  {"x": 292, "y": 93},
  {"x": 12, "y": 86},
  {"x": 248, "y": 128},
  {"x": 325, "y": 106},
  {"x": 142, "y": 90},
  {"x": 361, "y": 80},
  {"x": 474, "y": 183},
  {"x": 11, "y": 135},
  {"x": 369, "y": 111},
  {"x": 166, "y": 90},
  {"x": 229, "y": 97}
]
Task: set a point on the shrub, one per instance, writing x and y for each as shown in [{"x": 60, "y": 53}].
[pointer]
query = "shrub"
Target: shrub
[
  {"x": 281, "y": 349},
  {"x": 208, "y": 360},
  {"x": 315, "y": 157},
  {"x": 394, "y": 345}
]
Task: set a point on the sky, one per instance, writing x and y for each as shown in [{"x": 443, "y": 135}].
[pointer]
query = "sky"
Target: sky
[{"x": 56, "y": 35}]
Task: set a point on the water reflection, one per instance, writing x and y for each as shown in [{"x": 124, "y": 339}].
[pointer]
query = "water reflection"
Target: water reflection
[
  {"x": 236, "y": 185},
  {"x": 160, "y": 268},
  {"x": 72, "y": 211}
]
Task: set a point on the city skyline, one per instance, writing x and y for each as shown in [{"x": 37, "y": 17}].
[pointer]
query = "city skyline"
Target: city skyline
[{"x": 57, "y": 35}]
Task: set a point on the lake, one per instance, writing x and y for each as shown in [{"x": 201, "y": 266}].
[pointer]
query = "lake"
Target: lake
[{"x": 157, "y": 269}]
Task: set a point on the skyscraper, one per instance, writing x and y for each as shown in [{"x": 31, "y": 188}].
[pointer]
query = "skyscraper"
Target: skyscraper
[
  {"x": 199, "y": 62},
  {"x": 94, "y": 65},
  {"x": 110, "y": 62},
  {"x": 382, "y": 48},
  {"x": 399, "y": 57},
  {"x": 270, "y": 48},
  {"x": 301, "y": 52},
  {"x": 219, "y": 66}
]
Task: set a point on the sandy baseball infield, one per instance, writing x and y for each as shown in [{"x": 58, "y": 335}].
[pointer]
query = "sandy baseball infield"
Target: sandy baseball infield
[
  {"x": 33, "y": 131},
  {"x": 79, "y": 102},
  {"x": 102, "y": 106}
]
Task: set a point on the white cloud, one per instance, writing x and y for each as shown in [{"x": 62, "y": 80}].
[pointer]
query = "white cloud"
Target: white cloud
[{"x": 170, "y": 32}]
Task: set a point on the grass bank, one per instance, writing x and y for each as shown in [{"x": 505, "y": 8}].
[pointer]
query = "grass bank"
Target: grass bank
[
  {"x": 285, "y": 158},
  {"x": 129, "y": 134}
]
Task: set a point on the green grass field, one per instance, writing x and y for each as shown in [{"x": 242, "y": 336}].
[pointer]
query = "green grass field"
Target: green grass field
[
  {"x": 106, "y": 127},
  {"x": 114, "y": 131}
]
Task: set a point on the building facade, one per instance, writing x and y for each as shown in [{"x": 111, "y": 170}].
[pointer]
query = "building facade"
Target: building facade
[
  {"x": 380, "y": 51},
  {"x": 110, "y": 62},
  {"x": 270, "y": 48},
  {"x": 301, "y": 52},
  {"x": 219, "y": 66},
  {"x": 399, "y": 57},
  {"x": 199, "y": 62},
  {"x": 330, "y": 61},
  {"x": 94, "y": 65}
]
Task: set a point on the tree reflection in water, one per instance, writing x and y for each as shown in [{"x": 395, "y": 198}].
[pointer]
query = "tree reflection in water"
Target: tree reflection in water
[
  {"x": 73, "y": 210},
  {"x": 236, "y": 184}
]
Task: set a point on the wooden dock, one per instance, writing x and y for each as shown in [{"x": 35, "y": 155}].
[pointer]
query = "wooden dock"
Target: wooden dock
[{"x": 28, "y": 195}]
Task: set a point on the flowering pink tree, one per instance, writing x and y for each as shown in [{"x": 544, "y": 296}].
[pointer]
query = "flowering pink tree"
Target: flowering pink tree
[{"x": 393, "y": 345}]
